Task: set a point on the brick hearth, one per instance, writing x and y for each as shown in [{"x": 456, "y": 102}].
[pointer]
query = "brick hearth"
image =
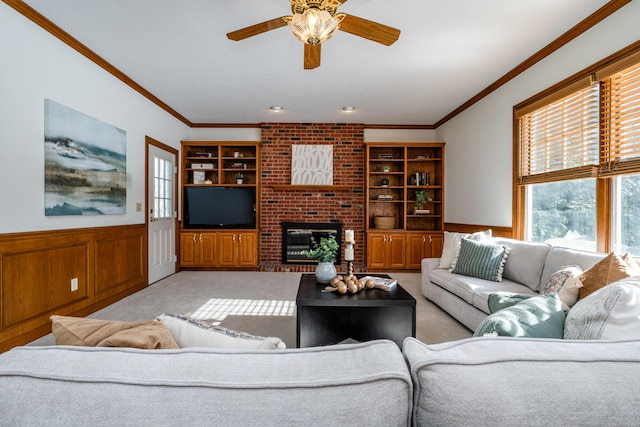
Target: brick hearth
[{"x": 305, "y": 205}]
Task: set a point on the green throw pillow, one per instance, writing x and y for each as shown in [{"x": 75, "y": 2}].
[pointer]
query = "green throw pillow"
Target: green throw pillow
[
  {"x": 482, "y": 260},
  {"x": 499, "y": 300},
  {"x": 539, "y": 317}
]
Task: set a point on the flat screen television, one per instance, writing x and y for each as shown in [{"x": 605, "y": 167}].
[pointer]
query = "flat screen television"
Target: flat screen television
[{"x": 215, "y": 207}]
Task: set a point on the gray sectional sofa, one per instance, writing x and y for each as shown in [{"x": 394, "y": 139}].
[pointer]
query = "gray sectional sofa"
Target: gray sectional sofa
[
  {"x": 477, "y": 381},
  {"x": 528, "y": 267}
]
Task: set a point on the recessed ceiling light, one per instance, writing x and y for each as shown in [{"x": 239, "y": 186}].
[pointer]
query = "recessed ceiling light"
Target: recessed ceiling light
[
  {"x": 276, "y": 108},
  {"x": 348, "y": 108}
]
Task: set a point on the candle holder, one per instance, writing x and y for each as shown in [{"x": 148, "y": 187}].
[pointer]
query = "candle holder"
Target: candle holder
[
  {"x": 348, "y": 250},
  {"x": 349, "y": 268}
]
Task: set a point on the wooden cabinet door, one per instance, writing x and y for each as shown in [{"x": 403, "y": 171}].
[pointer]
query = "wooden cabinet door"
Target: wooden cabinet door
[
  {"x": 396, "y": 251},
  {"x": 208, "y": 249},
  {"x": 189, "y": 249},
  {"x": 376, "y": 250},
  {"x": 247, "y": 250},
  {"x": 421, "y": 245},
  {"x": 227, "y": 249},
  {"x": 437, "y": 243},
  {"x": 416, "y": 249}
]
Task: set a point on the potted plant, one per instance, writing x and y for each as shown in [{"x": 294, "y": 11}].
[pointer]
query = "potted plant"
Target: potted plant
[
  {"x": 239, "y": 178},
  {"x": 325, "y": 253},
  {"x": 422, "y": 197}
]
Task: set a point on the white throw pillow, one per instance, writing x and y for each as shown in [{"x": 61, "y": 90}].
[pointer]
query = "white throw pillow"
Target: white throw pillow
[
  {"x": 566, "y": 282},
  {"x": 610, "y": 313},
  {"x": 189, "y": 332},
  {"x": 451, "y": 245}
]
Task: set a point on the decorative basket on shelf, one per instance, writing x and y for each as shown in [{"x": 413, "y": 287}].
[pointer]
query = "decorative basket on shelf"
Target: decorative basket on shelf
[{"x": 384, "y": 221}]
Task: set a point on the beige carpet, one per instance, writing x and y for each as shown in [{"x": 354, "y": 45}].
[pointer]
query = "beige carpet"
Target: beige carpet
[{"x": 260, "y": 303}]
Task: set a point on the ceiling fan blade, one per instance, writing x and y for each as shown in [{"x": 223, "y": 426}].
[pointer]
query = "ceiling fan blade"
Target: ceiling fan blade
[
  {"x": 311, "y": 56},
  {"x": 256, "y": 29},
  {"x": 370, "y": 30}
]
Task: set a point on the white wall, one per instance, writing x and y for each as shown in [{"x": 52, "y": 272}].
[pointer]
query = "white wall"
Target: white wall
[
  {"x": 478, "y": 169},
  {"x": 226, "y": 134},
  {"x": 400, "y": 135},
  {"x": 370, "y": 135},
  {"x": 34, "y": 65}
]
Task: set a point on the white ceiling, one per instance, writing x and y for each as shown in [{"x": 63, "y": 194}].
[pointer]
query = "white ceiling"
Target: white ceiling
[{"x": 448, "y": 52}]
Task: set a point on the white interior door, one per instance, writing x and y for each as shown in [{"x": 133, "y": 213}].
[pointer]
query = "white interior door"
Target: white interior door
[{"x": 161, "y": 209}]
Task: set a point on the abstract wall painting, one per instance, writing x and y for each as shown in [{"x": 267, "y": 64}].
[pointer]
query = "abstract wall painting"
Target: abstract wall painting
[
  {"x": 311, "y": 164},
  {"x": 85, "y": 164}
]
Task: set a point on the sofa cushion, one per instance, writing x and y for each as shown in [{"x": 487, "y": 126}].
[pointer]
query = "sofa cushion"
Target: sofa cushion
[
  {"x": 608, "y": 270},
  {"x": 479, "y": 259},
  {"x": 472, "y": 290},
  {"x": 539, "y": 317},
  {"x": 147, "y": 334},
  {"x": 610, "y": 313},
  {"x": 85, "y": 386},
  {"x": 451, "y": 245},
  {"x": 526, "y": 260},
  {"x": 189, "y": 332},
  {"x": 524, "y": 381},
  {"x": 559, "y": 257}
]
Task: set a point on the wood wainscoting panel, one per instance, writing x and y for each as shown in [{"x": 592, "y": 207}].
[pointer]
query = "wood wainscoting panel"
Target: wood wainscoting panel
[
  {"x": 37, "y": 281},
  {"x": 118, "y": 262},
  {"x": 37, "y": 268},
  {"x": 506, "y": 232}
]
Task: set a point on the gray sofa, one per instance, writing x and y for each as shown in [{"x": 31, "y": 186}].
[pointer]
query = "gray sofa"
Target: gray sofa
[
  {"x": 527, "y": 269},
  {"x": 477, "y": 381}
]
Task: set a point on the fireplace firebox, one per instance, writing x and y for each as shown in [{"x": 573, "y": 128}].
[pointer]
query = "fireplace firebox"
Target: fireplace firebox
[{"x": 296, "y": 238}]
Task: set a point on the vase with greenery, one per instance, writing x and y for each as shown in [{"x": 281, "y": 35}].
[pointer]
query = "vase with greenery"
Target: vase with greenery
[
  {"x": 422, "y": 197},
  {"x": 325, "y": 253},
  {"x": 239, "y": 178}
]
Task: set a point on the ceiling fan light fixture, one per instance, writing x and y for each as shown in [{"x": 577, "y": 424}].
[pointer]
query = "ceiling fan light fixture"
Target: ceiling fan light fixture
[{"x": 314, "y": 26}]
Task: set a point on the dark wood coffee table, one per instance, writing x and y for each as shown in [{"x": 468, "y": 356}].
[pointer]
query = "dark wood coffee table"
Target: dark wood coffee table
[{"x": 325, "y": 318}]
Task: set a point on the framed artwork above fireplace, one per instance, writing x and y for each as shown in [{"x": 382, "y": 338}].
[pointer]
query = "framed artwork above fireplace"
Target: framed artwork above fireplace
[{"x": 311, "y": 164}]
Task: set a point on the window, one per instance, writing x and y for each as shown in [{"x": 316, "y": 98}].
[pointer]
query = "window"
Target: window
[
  {"x": 162, "y": 189},
  {"x": 577, "y": 156},
  {"x": 626, "y": 215},
  {"x": 563, "y": 213}
]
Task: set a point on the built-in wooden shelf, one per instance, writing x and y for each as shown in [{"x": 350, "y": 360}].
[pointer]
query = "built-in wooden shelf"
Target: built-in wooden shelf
[{"x": 312, "y": 187}]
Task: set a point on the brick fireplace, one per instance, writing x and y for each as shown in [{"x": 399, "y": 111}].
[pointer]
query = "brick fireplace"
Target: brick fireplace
[{"x": 342, "y": 205}]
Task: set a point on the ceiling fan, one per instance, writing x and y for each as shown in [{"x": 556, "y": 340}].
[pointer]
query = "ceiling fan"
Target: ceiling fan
[{"x": 315, "y": 21}]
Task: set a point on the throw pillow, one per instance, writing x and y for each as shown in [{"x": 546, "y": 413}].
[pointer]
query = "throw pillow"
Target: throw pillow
[
  {"x": 566, "y": 283},
  {"x": 482, "y": 260},
  {"x": 539, "y": 317},
  {"x": 452, "y": 245},
  {"x": 631, "y": 262},
  {"x": 610, "y": 269},
  {"x": 499, "y": 300},
  {"x": 189, "y": 332},
  {"x": 147, "y": 334},
  {"x": 610, "y": 313}
]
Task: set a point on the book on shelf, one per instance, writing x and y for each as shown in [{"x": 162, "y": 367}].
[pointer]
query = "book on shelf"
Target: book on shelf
[{"x": 381, "y": 282}]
